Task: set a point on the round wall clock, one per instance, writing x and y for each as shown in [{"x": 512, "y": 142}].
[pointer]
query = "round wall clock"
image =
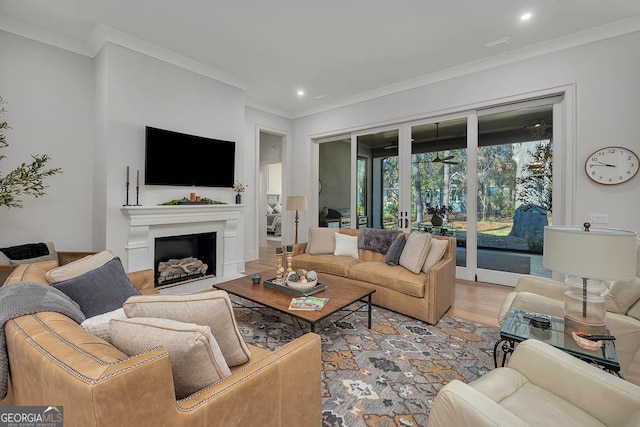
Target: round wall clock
[{"x": 611, "y": 165}]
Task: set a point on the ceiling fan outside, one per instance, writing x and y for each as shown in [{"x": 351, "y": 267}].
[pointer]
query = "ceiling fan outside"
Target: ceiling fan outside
[{"x": 446, "y": 159}]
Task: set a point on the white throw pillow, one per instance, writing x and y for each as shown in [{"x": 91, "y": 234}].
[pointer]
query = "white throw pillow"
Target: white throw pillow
[
  {"x": 415, "y": 252},
  {"x": 436, "y": 252},
  {"x": 196, "y": 359},
  {"x": 277, "y": 208},
  {"x": 346, "y": 245},
  {"x": 212, "y": 308},
  {"x": 99, "y": 325},
  {"x": 269, "y": 210}
]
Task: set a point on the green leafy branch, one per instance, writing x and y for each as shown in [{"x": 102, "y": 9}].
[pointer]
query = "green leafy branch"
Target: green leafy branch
[{"x": 27, "y": 179}]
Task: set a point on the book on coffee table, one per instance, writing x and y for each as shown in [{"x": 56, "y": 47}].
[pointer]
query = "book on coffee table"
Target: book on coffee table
[{"x": 307, "y": 303}]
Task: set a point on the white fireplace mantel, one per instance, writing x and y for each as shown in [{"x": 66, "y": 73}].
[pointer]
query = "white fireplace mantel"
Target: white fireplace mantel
[{"x": 146, "y": 223}]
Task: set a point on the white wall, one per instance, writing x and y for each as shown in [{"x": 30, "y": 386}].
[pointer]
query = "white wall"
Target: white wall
[
  {"x": 140, "y": 91},
  {"x": 49, "y": 95},
  {"x": 607, "y": 107},
  {"x": 90, "y": 116}
]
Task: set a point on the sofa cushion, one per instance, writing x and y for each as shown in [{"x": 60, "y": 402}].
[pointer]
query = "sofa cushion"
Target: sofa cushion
[
  {"x": 395, "y": 250},
  {"x": 99, "y": 325},
  {"x": 622, "y": 294},
  {"x": 322, "y": 240},
  {"x": 415, "y": 252},
  {"x": 436, "y": 251},
  {"x": 196, "y": 359},
  {"x": 78, "y": 267},
  {"x": 101, "y": 290},
  {"x": 211, "y": 309},
  {"x": 346, "y": 245},
  {"x": 330, "y": 264},
  {"x": 396, "y": 277},
  {"x": 35, "y": 272},
  {"x": 377, "y": 240}
]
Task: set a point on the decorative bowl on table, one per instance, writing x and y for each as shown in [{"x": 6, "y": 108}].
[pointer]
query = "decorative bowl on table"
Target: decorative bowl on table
[
  {"x": 301, "y": 286},
  {"x": 301, "y": 280}
]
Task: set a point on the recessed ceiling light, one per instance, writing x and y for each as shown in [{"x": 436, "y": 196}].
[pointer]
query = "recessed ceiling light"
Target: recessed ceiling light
[
  {"x": 300, "y": 92},
  {"x": 525, "y": 16}
]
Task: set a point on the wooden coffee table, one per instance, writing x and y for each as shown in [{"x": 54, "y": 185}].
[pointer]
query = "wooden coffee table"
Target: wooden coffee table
[{"x": 340, "y": 297}]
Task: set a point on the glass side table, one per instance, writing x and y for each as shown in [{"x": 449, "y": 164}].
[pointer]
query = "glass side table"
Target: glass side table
[{"x": 517, "y": 329}]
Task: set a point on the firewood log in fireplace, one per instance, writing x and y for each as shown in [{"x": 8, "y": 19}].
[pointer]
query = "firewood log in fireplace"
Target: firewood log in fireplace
[{"x": 173, "y": 269}]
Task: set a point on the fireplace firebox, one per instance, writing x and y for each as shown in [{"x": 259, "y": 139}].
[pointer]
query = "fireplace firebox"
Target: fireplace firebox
[{"x": 186, "y": 257}]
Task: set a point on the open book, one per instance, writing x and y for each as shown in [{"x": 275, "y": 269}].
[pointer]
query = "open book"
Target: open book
[{"x": 307, "y": 303}]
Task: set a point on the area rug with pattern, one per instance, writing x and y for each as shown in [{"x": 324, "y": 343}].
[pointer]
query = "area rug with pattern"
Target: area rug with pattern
[{"x": 385, "y": 376}]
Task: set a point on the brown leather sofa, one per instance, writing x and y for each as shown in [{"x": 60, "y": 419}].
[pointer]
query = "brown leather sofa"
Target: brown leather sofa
[
  {"x": 55, "y": 362},
  {"x": 424, "y": 296}
]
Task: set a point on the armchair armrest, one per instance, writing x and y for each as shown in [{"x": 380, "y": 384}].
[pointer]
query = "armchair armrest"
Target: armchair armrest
[
  {"x": 577, "y": 382},
  {"x": 143, "y": 280},
  {"x": 441, "y": 283},
  {"x": 459, "y": 404},
  {"x": 541, "y": 286}
]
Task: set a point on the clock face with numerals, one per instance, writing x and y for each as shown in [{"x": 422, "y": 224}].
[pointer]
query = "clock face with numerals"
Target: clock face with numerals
[{"x": 612, "y": 165}]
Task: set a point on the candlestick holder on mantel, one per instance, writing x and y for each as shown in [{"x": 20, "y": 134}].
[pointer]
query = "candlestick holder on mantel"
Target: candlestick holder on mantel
[{"x": 137, "y": 188}]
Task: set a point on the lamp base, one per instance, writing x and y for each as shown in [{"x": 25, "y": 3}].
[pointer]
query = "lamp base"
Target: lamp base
[{"x": 574, "y": 322}]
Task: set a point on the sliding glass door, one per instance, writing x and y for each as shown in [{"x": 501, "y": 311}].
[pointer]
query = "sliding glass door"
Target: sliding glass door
[{"x": 484, "y": 177}]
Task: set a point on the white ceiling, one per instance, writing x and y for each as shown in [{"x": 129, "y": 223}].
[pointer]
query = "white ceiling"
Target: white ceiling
[{"x": 344, "y": 51}]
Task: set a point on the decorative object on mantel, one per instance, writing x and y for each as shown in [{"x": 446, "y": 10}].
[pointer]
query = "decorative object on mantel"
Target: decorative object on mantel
[
  {"x": 185, "y": 201},
  {"x": 26, "y": 179},
  {"x": 239, "y": 188},
  {"x": 437, "y": 213},
  {"x": 138, "y": 187}
]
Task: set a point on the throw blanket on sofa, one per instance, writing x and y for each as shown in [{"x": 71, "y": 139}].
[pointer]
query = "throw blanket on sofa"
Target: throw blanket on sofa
[
  {"x": 26, "y": 251},
  {"x": 377, "y": 240},
  {"x": 29, "y": 298}
]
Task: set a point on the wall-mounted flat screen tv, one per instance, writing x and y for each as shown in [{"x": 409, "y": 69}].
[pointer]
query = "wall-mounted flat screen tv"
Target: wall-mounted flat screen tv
[{"x": 173, "y": 158}]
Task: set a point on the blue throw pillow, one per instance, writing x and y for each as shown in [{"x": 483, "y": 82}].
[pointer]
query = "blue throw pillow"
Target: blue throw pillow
[
  {"x": 395, "y": 250},
  {"x": 101, "y": 290}
]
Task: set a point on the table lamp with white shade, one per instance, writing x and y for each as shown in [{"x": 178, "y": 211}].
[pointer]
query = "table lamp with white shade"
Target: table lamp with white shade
[
  {"x": 296, "y": 203},
  {"x": 588, "y": 256}
]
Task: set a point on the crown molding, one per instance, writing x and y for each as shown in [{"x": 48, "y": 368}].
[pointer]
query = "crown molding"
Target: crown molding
[
  {"x": 550, "y": 46},
  {"x": 44, "y": 36},
  {"x": 267, "y": 108},
  {"x": 102, "y": 34}
]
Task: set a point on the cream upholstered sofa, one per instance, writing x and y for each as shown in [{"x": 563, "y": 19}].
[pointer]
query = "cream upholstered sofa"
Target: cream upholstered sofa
[
  {"x": 422, "y": 295},
  {"x": 541, "y": 386},
  {"x": 542, "y": 295},
  {"x": 55, "y": 361}
]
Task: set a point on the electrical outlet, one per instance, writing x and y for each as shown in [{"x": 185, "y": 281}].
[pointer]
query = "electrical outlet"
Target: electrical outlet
[{"x": 599, "y": 219}]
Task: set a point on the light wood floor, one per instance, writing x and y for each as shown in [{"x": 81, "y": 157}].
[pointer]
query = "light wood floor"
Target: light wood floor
[{"x": 474, "y": 301}]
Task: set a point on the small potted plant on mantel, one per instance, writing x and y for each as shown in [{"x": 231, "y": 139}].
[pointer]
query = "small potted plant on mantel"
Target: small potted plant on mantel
[{"x": 437, "y": 213}]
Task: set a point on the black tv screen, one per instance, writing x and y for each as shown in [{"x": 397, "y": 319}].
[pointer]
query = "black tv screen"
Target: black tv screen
[{"x": 173, "y": 158}]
